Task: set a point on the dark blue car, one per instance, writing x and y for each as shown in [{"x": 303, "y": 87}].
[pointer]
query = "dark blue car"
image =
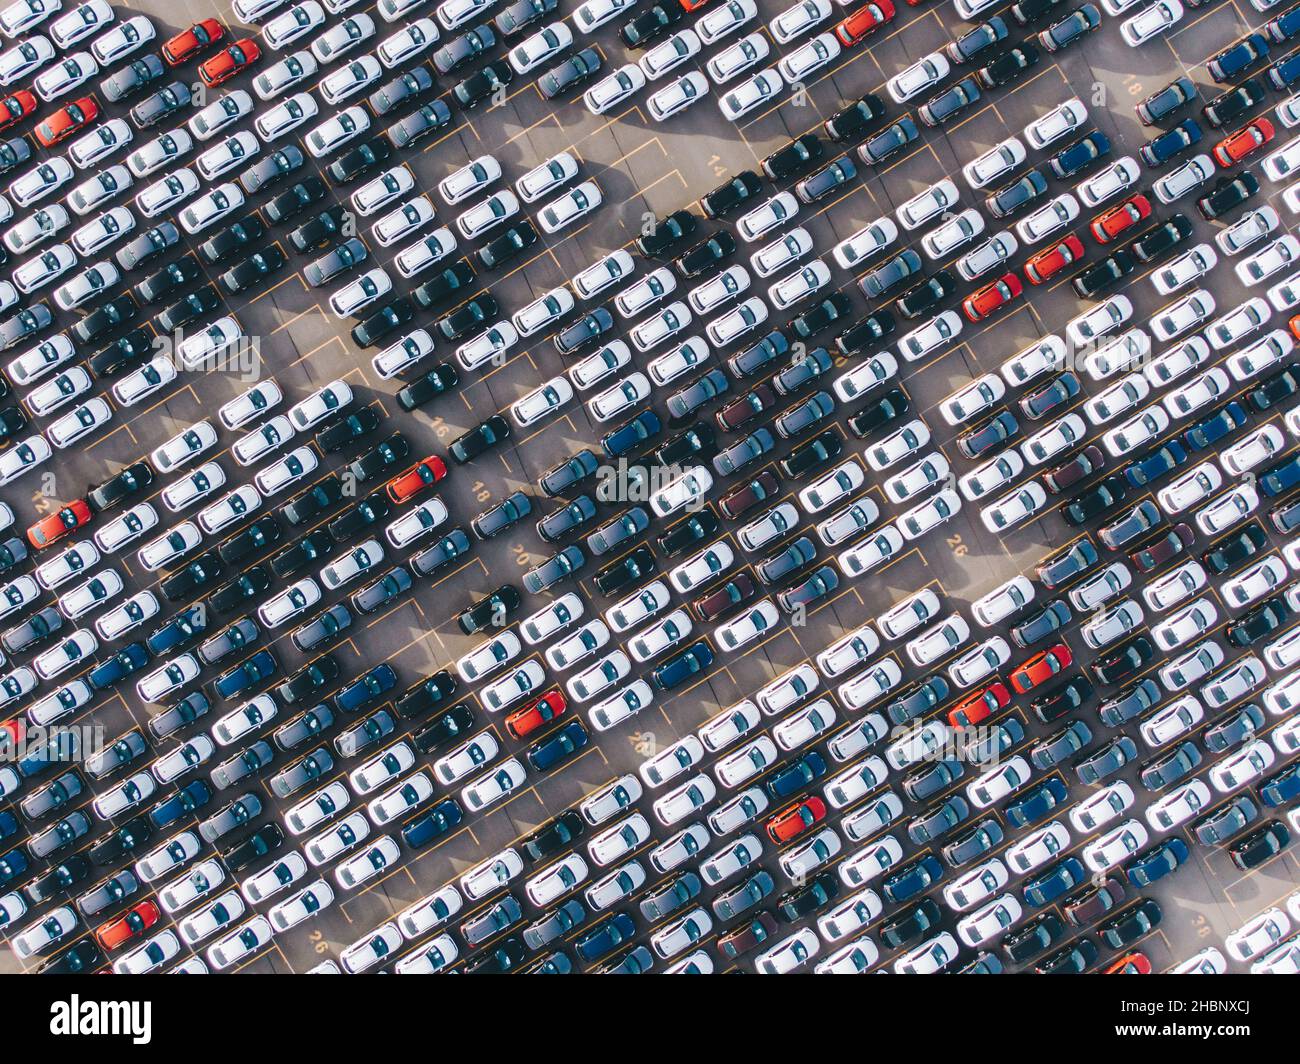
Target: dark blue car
[
  {"x": 1280, "y": 478},
  {"x": 558, "y": 747},
  {"x": 1240, "y": 57},
  {"x": 1157, "y": 862},
  {"x": 247, "y": 674},
  {"x": 631, "y": 435},
  {"x": 1228, "y": 418},
  {"x": 8, "y": 824},
  {"x": 1281, "y": 788},
  {"x": 794, "y": 778},
  {"x": 681, "y": 667},
  {"x": 1155, "y": 465},
  {"x": 605, "y": 937},
  {"x": 434, "y": 824},
  {"x": 360, "y": 692},
  {"x": 1070, "y": 160},
  {"x": 1159, "y": 150},
  {"x": 13, "y": 864},
  {"x": 187, "y": 625},
  {"x": 1049, "y": 885},
  {"x": 129, "y": 659},
  {"x": 1036, "y": 803},
  {"x": 190, "y": 798},
  {"x": 913, "y": 879}
]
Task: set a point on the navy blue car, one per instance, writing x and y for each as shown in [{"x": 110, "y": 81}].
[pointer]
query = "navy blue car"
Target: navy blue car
[
  {"x": 1055, "y": 881},
  {"x": 360, "y": 692},
  {"x": 442, "y": 818},
  {"x": 631, "y": 435},
  {"x": 603, "y": 938},
  {"x": 248, "y": 674},
  {"x": 1157, "y": 862},
  {"x": 1240, "y": 57},
  {"x": 1160, "y": 149},
  {"x": 1280, "y": 478},
  {"x": 681, "y": 667},
  {"x": 13, "y": 864},
  {"x": 913, "y": 879},
  {"x": 131, "y": 658},
  {"x": 1082, "y": 153},
  {"x": 190, "y": 798},
  {"x": 1282, "y": 787},
  {"x": 1227, "y": 419},
  {"x": 1036, "y": 803},
  {"x": 794, "y": 778},
  {"x": 1157, "y": 464},
  {"x": 187, "y": 625},
  {"x": 558, "y": 747}
]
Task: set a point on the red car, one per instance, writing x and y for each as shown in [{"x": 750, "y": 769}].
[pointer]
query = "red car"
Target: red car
[
  {"x": 16, "y": 107},
  {"x": 693, "y": 5},
  {"x": 1295, "y": 326},
  {"x": 130, "y": 925},
  {"x": 523, "y": 722},
  {"x": 864, "y": 22},
  {"x": 423, "y": 474},
  {"x": 1041, "y": 668},
  {"x": 978, "y": 707},
  {"x": 1106, "y": 227},
  {"x": 992, "y": 297},
  {"x": 67, "y": 121},
  {"x": 192, "y": 41},
  {"x": 1129, "y": 964},
  {"x": 11, "y": 734},
  {"x": 230, "y": 61},
  {"x": 1051, "y": 261},
  {"x": 53, "y": 528},
  {"x": 793, "y": 821},
  {"x": 1236, "y": 146}
]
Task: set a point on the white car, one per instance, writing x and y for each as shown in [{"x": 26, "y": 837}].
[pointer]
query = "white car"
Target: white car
[
  {"x": 1185, "y": 269},
  {"x": 1244, "y": 766},
  {"x": 1249, "y": 229},
  {"x": 922, "y": 77},
  {"x": 488, "y": 214},
  {"x": 782, "y": 251},
  {"x": 469, "y": 179},
  {"x": 1101, "y": 320},
  {"x": 801, "y": 284},
  {"x": 868, "y": 241},
  {"x": 603, "y": 274},
  {"x": 934, "y": 334},
  {"x": 1150, "y": 22},
  {"x": 323, "y": 403},
  {"x": 1109, "y": 182},
  {"x": 493, "y": 786},
  {"x": 399, "y": 48},
  {"x": 755, "y": 90},
  {"x": 1056, "y": 214},
  {"x": 1238, "y": 323},
  {"x": 75, "y": 425},
  {"x": 670, "y": 53},
  {"x": 286, "y": 471},
  {"x": 799, "y": 65},
  {"x": 546, "y": 177},
  {"x": 799, "y": 19},
  {"x": 980, "y": 661},
  {"x": 541, "y": 402},
  {"x": 946, "y": 238},
  {"x": 614, "y": 88},
  {"x": 294, "y": 24},
  {"x": 677, "y": 96},
  {"x": 991, "y": 476},
  {"x": 1260, "y": 354},
  {"x": 1059, "y": 122}
]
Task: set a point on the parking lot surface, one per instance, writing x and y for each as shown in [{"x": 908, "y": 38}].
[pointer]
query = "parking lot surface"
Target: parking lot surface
[{"x": 647, "y": 170}]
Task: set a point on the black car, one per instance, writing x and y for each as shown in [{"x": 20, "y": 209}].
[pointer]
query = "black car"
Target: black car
[
  {"x": 308, "y": 553},
  {"x": 553, "y": 837},
  {"x": 248, "y": 585},
  {"x": 508, "y": 246},
  {"x": 449, "y": 281},
  {"x": 732, "y": 194},
  {"x": 360, "y": 516},
  {"x": 120, "y": 486},
  {"x": 1123, "y": 661},
  {"x": 855, "y": 121},
  {"x": 319, "y": 499},
  {"x": 424, "y": 389},
  {"x": 1228, "y": 194},
  {"x": 979, "y": 39},
  {"x": 361, "y": 160},
  {"x": 253, "y": 271},
  {"x": 380, "y": 460},
  {"x": 1029, "y": 11},
  {"x": 257, "y": 537},
  {"x": 1237, "y": 102},
  {"x": 586, "y": 330},
  {"x": 1162, "y": 239},
  {"x": 822, "y": 315},
  {"x": 690, "y": 530},
  {"x": 179, "y": 273},
  {"x": 468, "y": 318},
  {"x": 271, "y": 169},
  {"x": 1063, "y": 700},
  {"x": 702, "y": 257},
  {"x": 1265, "y": 619},
  {"x": 1100, "y": 278},
  {"x": 880, "y": 412},
  {"x": 492, "y": 611},
  {"x": 109, "y": 316},
  {"x": 631, "y": 568},
  {"x": 266, "y": 839},
  {"x": 377, "y": 327},
  {"x": 909, "y": 926},
  {"x": 1231, "y": 550},
  {"x": 1033, "y": 937},
  {"x": 197, "y": 574},
  {"x": 310, "y": 679},
  {"x": 346, "y": 430},
  {"x": 491, "y": 79},
  {"x": 862, "y": 334},
  {"x": 1274, "y": 389},
  {"x": 463, "y": 50},
  {"x": 1263, "y": 844},
  {"x": 667, "y": 233},
  {"x": 233, "y": 239},
  {"x": 430, "y": 693},
  {"x": 816, "y": 454},
  {"x": 804, "y": 900},
  {"x": 293, "y": 202},
  {"x": 195, "y": 305},
  {"x": 650, "y": 25},
  {"x": 797, "y": 157},
  {"x": 934, "y": 290},
  {"x": 1130, "y": 924},
  {"x": 482, "y": 437}
]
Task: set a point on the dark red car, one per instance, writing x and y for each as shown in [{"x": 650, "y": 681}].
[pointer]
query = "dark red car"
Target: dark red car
[
  {"x": 1156, "y": 553},
  {"x": 794, "y": 820},
  {"x": 1041, "y": 668},
  {"x": 229, "y": 61},
  {"x": 735, "y": 592},
  {"x": 978, "y": 707},
  {"x": 523, "y": 722},
  {"x": 424, "y": 474},
  {"x": 190, "y": 42},
  {"x": 1050, "y": 261},
  {"x": 54, "y": 527},
  {"x": 864, "y": 22},
  {"x": 1080, "y": 466},
  {"x": 745, "y": 408},
  {"x": 1107, "y": 226},
  {"x": 67, "y": 120},
  {"x": 744, "y": 498},
  {"x": 749, "y": 935},
  {"x": 992, "y": 297}
]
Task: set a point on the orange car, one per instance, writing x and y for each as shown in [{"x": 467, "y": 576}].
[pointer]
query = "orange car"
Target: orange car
[
  {"x": 67, "y": 120},
  {"x": 978, "y": 707},
  {"x": 1106, "y": 227},
  {"x": 693, "y": 5},
  {"x": 1041, "y": 668},
  {"x": 423, "y": 474},
  {"x": 191, "y": 42},
  {"x": 992, "y": 297},
  {"x": 229, "y": 61},
  {"x": 16, "y": 107},
  {"x": 1051, "y": 261},
  {"x": 1250, "y": 137},
  {"x": 1129, "y": 964},
  {"x": 864, "y": 22},
  {"x": 53, "y": 528},
  {"x": 794, "y": 820},
  {"x": 130, "y": 925},
  {"x": 523, "y": 722}
]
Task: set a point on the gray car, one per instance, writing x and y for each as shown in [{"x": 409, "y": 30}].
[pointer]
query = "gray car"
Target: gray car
[
  {"x": 428, "y": 119},
  {"x": 379, "y": 593},
  {"x": 975, "y": 843},
  {"x": 303, "y": 728},
  {"x": 1100, "y": 765},
  {"x": 552, "y": 926},
  {"x": 786, "y": 561},
  {"x": 1051, "y": 751},
  {"x": 121, "y": 751},
  {"x": 683, "y": 402},
  {"x": 667, "y": 898},
  {"x": 826, "y": 180},
  {"x": 1225, "y": 822},
  {"x": 396, "y": 92},
  {"x": 744, "y": 896},
  {"x": 491, "y": 921},
  {"x": 744, "y": 452},
  {"x": 890, "y": 274},
  {"x": 568, "y": 518},
  {"x": 622, "y": 528},
  {"x": 248, "y": 762},
  {"x": 241, "y": 634},
  {"x": 556, "y": 568},
  {"x": 243, "y": 810},
  {"x": 308, "y": 768},
  {"x": 173, "y": 718},
  {"x": 52, "y": 796},
  {"x": 805, "y": 368},
  {"x": 108, "y": 894},
  {"x": 35, "y": 628},
  {"x": 345, "y": 256},
  {"x": 804, "y": 416},
  {"x": 60, "y": 835},
  {"x": 320, "y": 629},
  {"x": 450, "y": 547},
  {"x": 166, "y": 101},
  {"x": 510, "y": 510},
  {"x": 132, "y": 78},
  {"x": 560, "y": 478},
  {"x": 365, "y": 733},
  {"x": 148, "y": 245}
]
